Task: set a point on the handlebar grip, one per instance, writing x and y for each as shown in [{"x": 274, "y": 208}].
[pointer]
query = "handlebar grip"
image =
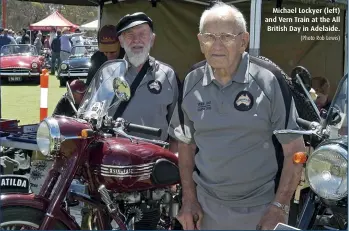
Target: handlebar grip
[
  {"x": 305, "y": 124},
  {"x": 144, "y": 129}
]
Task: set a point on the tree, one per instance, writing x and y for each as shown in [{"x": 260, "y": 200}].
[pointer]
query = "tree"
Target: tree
[
  {"x": 20, "y": 14},
  {"x": 79, "y": 14}
]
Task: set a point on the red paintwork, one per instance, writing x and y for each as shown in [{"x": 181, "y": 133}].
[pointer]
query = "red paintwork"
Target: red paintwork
[
  {"x": 40, "y": 203},
  {"x": 80, "y": 157},
  {"x": 70, "y": 126},
  {"x": 122, "y": 152},
  {"x": 9, "y": 125},
  {"x": 20, "y": 61}
]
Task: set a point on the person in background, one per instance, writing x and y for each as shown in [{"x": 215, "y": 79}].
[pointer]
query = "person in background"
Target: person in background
[
  {"x": 7, "y": 33},
  {"x": 12, "y": 34},
  {"x": 24, "y": 33},
  {"x": 56, "y": 52},
  {"x": 47, "y": 42},
  {"x": 18, "y": 37},
  {"x": 66, "y": 43},
  {"x": 78, "y": 41},
  {"x": 38, "y": 43},
  {"x": 109, "y": 48},
  {"x": 64, "y": 107},
  {"x": 4, "y": 39},
  {"x": 321, "y": 86},
  {"x": 53, "y": 35},
  {"x": 32, "y": 35},
  {"x": 25, "y": 37}
]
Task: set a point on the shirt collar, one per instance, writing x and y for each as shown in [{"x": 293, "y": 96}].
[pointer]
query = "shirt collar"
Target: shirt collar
[{"x": 241, "y": 75}]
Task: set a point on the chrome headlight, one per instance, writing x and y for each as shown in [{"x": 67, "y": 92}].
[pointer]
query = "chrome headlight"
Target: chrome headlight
[
  {"x": 34, "y": 65},
  {"x": 326, "y": 171},
  {"x": 64, "y": 66},
  {"x": 48, "y": 136}
]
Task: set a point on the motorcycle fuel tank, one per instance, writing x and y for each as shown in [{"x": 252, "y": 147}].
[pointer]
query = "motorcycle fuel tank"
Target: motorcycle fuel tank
[{"x": 123, "y": 166}]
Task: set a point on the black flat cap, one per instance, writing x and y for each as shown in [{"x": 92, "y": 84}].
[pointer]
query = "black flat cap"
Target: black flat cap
[{"x": 132, "y": 20}]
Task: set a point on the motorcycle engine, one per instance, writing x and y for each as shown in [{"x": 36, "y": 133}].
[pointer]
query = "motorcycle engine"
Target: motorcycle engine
[{"x": 147, "y": 210}]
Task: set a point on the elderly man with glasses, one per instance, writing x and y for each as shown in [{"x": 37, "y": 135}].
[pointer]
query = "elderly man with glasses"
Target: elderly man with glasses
[{"x": 228, "y": 156}]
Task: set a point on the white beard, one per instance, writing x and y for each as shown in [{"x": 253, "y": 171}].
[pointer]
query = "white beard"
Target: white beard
[{"x": 137, "y": 59}]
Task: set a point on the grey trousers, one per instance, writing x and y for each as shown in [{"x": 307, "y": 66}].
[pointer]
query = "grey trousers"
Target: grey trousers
[{"x": 221, "y": 217}]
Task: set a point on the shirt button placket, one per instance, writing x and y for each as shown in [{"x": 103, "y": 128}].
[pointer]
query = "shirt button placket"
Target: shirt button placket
[{"x": 222, "y": 105}]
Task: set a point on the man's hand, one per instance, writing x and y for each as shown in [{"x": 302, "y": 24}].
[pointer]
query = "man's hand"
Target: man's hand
[
  {"x": 271, "y": 218},
  {"x": 190, "y": 215}
]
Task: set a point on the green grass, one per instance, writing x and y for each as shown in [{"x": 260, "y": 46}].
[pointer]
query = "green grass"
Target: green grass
[{"x": 22, "y": 101}]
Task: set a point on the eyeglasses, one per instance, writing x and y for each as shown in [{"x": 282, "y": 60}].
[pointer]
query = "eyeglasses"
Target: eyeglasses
[{"x": 226, "y": 38}]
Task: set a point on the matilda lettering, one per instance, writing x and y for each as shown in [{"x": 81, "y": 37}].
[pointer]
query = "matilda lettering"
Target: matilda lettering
[{"x": 14, "y": 182}]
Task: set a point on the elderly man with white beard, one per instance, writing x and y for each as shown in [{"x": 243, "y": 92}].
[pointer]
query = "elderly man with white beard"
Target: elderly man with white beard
[{"x": 154, "y": 85}]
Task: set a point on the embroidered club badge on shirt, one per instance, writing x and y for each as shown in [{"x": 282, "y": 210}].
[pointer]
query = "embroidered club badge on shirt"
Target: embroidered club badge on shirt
[
  {"x": 243, "y": 101},
  {"x": 154, "y": 86}
]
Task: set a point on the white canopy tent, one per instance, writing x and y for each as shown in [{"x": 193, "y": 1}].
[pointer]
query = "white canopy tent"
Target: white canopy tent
[{"x": 90, "y": 26}]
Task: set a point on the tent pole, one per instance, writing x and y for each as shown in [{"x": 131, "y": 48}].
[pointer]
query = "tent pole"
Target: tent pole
[
  {"x": 255, "y": 27},
  {"x": 99, "y": 16},
  {"x": 4, "y": 13}
]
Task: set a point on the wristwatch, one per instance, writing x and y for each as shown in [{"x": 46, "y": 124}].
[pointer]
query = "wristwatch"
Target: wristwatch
[{"x": 283, "y": 207}]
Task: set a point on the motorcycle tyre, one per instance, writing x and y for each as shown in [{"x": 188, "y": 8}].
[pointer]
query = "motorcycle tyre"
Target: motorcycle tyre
[{"x": 32, "y": 215}]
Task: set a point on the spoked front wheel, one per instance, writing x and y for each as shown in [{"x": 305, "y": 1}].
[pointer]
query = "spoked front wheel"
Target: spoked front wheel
[{"x": 24, "y": 218}]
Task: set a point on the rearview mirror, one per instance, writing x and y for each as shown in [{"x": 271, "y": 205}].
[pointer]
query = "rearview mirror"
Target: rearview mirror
[
  {"x": 122, "y": 88},
  {"x": 304, "y": 75}
]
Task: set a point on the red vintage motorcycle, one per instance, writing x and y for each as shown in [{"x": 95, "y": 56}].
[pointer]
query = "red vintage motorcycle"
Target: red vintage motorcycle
[{"x": 130, "y": 179}]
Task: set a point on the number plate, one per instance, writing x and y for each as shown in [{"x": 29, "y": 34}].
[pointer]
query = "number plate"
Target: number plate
[
  {"x": 14, "y": 184},
  {"x": 30, "y": 128},
  {"x": 14, "y": 79}
]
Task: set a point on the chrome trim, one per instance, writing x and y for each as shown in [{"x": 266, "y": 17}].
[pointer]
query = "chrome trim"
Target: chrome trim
[
  {"x": 129, "y": 171},
  {"x": 67, "y": 66},
  {"x": 19, "y": 74},
  {"x": 15, "y": 67},
  {"x": 333, "y": 147},
  {"x": 127, "y": 166},
  {"x": 143, "y": 176},
  {"x": 55, "y": 134},
  {"x": 159, "y": 142},
  {"x": 33, "y": 64},
  {"x": 73, "y": 74},
  {"x": 126, "y": 172},
  {"x": 142, "y": 170}
]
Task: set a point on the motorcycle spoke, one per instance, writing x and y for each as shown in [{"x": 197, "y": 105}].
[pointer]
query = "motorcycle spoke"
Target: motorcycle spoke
[{"x": 17, "y": 226}]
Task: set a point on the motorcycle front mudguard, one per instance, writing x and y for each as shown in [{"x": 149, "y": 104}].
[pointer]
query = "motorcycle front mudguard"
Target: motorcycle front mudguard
[
  {"x": 36, "y": 202},
  {"x": 308, "y": 213}
]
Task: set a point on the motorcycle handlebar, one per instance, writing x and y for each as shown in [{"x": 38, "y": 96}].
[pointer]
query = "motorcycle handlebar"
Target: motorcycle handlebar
[
  {"x": 305, "y": 124},
  {"x": 143, "y": 129}
]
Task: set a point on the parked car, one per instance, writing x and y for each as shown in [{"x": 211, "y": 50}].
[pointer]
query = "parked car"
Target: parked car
[
  {"x": 20, "y": 62},
  {"x": 78, "y": 64}
]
